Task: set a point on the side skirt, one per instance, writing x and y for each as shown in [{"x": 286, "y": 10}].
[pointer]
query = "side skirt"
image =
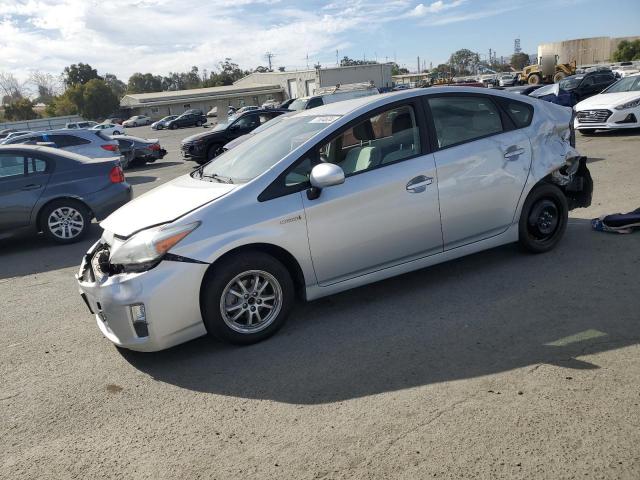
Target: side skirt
[{"x": 509, "y": 236}]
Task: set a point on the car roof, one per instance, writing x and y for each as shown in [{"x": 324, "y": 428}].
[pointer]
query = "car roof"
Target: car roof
[
  {"x": 47, "y": 150},
  {"x": 347, "y": 106}
]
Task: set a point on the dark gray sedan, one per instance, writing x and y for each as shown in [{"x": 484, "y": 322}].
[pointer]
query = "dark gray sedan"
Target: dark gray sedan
[{"x": 55, "y": 192}]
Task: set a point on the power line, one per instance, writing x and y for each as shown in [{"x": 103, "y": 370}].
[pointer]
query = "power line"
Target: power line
[{"x": 269, "y": 56}]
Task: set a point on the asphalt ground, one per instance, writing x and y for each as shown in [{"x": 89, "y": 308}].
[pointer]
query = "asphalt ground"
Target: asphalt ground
[{"x": 497, "y": 365}]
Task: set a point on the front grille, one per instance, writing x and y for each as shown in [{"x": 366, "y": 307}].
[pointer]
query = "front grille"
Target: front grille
[{"x": 594, "y": 116}]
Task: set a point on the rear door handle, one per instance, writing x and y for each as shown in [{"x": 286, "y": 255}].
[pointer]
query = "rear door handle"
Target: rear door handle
[
  {"x": 31, "y": 186},
  {"x": 419, "y": 184},
  {"x": 513, "y": 153}
]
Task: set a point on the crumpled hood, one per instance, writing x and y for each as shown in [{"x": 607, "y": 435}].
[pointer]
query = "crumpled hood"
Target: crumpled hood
[
  {"x": 163, "y": 204},
  {"x": 607, "y": 100}
]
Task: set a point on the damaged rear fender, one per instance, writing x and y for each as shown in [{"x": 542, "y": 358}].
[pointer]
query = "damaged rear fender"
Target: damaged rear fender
[{"x": 574, "y": 179}]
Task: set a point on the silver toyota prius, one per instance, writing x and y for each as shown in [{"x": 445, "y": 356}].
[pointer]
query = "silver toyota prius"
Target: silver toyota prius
[{"x": 330, "y": 199}]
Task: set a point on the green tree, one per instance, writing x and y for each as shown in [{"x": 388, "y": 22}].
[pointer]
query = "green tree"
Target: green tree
[
  {"x": 398, "y": 70},
  {"x": 627, "y": 51},
  {"x": 348, "y": 62},
  {"x": 117, "y": 86},
  {"x": 99, "y": 101},
  {"x": 464, "y": 61},
  {"x": 78, "y": 74},
  {"x": 144, "y": 83},
  {"x": 60, "y": 106},
  {"x": 21, "y": 109},
  {"x": 519, "y": 60}
]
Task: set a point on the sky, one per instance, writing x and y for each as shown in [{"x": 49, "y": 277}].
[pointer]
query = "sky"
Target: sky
[{"x": 158, "y": 36}]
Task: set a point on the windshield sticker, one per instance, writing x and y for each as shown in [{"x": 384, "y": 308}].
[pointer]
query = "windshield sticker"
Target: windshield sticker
[{"x": 325, "y": 119}]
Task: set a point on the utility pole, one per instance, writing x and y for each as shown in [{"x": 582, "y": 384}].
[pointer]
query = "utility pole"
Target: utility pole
[
  {"x": 307, "y": 60},
  {"x": 337, "y": 61},
  {"x": 269, "y": 56},
  {"x": 418, "y": 63}
]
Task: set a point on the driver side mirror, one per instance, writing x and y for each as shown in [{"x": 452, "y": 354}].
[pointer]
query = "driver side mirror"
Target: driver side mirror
[{"x": 322, "y": 176}]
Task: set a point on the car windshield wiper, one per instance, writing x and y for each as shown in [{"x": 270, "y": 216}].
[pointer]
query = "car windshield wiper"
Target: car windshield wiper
[{"x": 215, "y": 176}]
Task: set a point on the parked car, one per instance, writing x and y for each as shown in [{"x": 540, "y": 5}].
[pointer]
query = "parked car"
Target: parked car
[
  {"x": 77, "y": 125},
  {"x": 522, "y": 89},
  {"x": 136, "y": 121},
  {"x": 331, "y": 199},
  {"x": 268, "y": 124},
  {"x": 108, "y": 128},
  {"x": 246, "y": 109},
  {"x": 507, "y": 80},
  {"x": 587, "y": 84},
  {"x": 617, "y": 107},
  {"x": 116, "y": 120},
  {"x": 137, "y": 151},
  {"x": 625, "y": 70},
  {"x": 270, "y": 104},
  {"x": 214, "y": 111},
  {"x": 5, "y": 132},
  {"x": 554, "y": 94},
  {"x": 89, "y": 143},
  {"x": 194, "y": 111},
  {"x": 305, "y": 103},
  {"x": 14, "y": 134},
  {"x": 55, "y": 192},
  {"x": 162, "y": 123},
  {"x": 187, "y": 120},
  {"x": 285, "y": 105},
  {"x": 204, "y": 146}
]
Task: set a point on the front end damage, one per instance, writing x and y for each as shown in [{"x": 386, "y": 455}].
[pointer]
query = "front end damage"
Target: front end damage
[{"x": 575, "y": 181}]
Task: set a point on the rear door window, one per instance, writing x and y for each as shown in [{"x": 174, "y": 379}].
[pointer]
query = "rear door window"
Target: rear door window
[
  {"x": 11, "y": 165},
  {"x": 520, "y": 113},
  {"x": 63, "y": 141},
  {"x": 460, "y": 119}
]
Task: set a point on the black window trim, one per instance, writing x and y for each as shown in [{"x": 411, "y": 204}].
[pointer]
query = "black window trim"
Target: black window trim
[
  {"x": 507, "y": 123},
  {"x": 277, "y": 188}
]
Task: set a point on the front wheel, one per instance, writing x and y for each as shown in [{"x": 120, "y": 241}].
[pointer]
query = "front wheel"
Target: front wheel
[
  {"x": 213, "y": 151},
  {"x": 65, "y": 221},
  {"x": 544, "y": 218},
  {"x": 246, "y": 298},
  {"x": 172, "y": 126},
  {"x": 534, "y": 79},
  {"x": 198, "y": 124}
]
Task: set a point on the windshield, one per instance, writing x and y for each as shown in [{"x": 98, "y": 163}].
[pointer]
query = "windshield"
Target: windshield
[
  {"x": 298, "y": 104},
  {"x": 263, "y": 151},
  {"x": 570, "y": 83},
  {"x": 272, "y": 122},
  {"x": 546, "y": 90},
  {"x": 220, "y": 126},
  {"x": 627, "y": 84}
]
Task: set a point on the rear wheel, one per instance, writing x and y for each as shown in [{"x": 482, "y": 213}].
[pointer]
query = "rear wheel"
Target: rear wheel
[
  {"x": 534, "y": 79},
  {"x": 246, "y": 298},
  {"x": 173, "y": 126},
  {"x": 198, "y": 124},
  {"x": 543, "y": 219},
  {"x": 65, "y": 221}
]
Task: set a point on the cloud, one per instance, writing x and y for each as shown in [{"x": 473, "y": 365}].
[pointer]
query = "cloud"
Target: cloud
[{"x": 421, "y": 9}]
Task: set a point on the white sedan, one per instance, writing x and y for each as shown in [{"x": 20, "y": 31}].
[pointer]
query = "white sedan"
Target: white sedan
[
  {"x": 616, "y": 107},
  {"x": 109, "y": 128},
  {"x": 136, "y": 121}
]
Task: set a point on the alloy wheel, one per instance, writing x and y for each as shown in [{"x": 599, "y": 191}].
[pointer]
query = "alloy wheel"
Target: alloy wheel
[
  {"x": 251, "y": 301},
  {"x": 65, "y": 223}
]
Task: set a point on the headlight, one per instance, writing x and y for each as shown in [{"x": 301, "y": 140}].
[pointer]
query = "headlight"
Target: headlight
[
  {"x": 632, "y": 104},
  {"x": 150, "y": 245}
]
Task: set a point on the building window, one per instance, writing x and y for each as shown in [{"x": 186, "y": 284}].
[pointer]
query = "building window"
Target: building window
[
  {"x": 155, "y": 109},
  {"x": 186, "y": 106},
  {"x": 255, "y": 100},
  {"x": 241, "y": 102}
]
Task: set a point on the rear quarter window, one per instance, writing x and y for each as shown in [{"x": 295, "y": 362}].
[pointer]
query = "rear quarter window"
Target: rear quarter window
[
  {"x": 520, "y": 113},
  {"x": 63, "y": 141}
]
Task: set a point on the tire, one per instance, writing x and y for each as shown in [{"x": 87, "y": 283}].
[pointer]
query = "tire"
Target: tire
[
  {"x": 75, "y": 213},
  {"x": 213, "y": 151},
  {"x": 198, "y": 124},
  {"x": 235, "y": 308},
  {"x": 116, "y": 132},
  {"x": 544, "y": 218},
  {"x": 172, "y": 126},
  {"x": 559, "y": 76},
  {"x": 587, "y": 131},
  {"x": 534, "y": 79},
  {"x": 135, "y": 124}
]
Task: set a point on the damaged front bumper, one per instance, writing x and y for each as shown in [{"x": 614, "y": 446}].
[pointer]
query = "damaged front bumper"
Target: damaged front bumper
[
  {"x": 575, "y": 181},
  {"x": 144, "y": 311}
]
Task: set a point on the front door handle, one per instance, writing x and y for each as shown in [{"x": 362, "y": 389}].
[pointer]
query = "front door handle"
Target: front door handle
[
  {"x": 31, "y": 186},
  {"x": 513, "y": 153},
  {"x": 419, "y": 184}
]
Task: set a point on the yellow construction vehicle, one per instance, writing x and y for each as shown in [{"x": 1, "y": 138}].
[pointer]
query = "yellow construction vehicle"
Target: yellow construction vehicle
[{"x": 547, "y": 70}]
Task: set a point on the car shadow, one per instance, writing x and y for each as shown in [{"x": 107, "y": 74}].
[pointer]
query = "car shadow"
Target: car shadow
[
  {"x": 151, "y": 166},
  {"x": 136, "y": 180},
  {"x": 490, "y": 312},
  {"x": 31, "y": 255}
]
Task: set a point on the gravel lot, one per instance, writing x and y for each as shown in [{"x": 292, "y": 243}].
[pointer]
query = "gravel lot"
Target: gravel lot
[{"x": 498, "y": 365}]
